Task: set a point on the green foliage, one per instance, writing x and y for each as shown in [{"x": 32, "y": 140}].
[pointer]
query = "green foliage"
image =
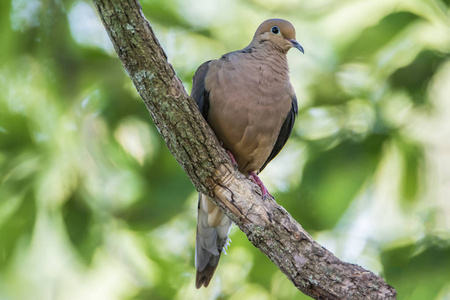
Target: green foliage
[
  {"x": 376, "y": 37},
  {"x": 94, "y": 206},
  {"x": 418, "y": 271},
  {"x": 332, "y": 179},
  {"x": 164, "y": 180},
  {"x": 415, "y": 77},
  {"x": 17, "y": 225},
  {"x": 82, "y": 230}
]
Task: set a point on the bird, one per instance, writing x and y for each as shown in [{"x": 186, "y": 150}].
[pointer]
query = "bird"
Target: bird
[{"x": 247, "y": 99}]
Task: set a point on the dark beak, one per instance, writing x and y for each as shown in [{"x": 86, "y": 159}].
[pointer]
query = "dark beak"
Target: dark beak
[{"x": 296, "y": 45}]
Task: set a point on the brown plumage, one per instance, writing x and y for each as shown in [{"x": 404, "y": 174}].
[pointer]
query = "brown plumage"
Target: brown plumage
[{"x": 247, "y": 99}]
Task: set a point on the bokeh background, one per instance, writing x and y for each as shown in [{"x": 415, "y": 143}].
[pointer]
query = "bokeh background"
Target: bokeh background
[{"x": 93, "y": 205}]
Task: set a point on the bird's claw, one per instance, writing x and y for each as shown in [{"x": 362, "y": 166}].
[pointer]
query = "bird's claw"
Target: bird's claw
[
  {"x": 235, "y": 164},
  {"x": 258, "y": 182}
]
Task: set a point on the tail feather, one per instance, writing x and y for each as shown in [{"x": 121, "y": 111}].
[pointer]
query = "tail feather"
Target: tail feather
[
  {"x": 212, "y": 236},
  {"x": 204, "y": 277}
]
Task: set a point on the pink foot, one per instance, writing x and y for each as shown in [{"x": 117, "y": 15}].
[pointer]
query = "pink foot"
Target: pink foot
[
  {"x": 259, "y": 182},
  {"x": 232, "y": 158}
]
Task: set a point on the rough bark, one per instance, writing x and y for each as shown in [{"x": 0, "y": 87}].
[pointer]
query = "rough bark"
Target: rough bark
[{"x": 312, "y": 269}]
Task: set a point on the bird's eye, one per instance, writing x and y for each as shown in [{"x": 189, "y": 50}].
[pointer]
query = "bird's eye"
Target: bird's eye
[{"x": 275, "y": 30}]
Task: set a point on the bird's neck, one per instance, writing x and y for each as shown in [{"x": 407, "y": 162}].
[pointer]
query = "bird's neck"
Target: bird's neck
[{"x": 271, "y": 60}]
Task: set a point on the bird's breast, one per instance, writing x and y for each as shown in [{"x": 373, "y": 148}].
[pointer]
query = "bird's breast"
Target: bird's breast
[{"x": 248, "y": 105}]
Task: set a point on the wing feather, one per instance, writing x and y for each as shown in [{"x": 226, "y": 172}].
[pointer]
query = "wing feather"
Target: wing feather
[
  {"x": 285, "y": 132},
  {"x": 199, "y": 92}
]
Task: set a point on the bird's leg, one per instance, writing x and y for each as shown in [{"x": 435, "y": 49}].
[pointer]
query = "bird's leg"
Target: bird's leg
[
  {"x": 259, "y": 182},
  {"x": 253, "y": 177},
  {"x": 232, "y": 158}
]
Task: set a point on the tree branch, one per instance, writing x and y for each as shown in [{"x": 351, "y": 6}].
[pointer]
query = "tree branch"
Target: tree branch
[{"x": 311, "y": 268}]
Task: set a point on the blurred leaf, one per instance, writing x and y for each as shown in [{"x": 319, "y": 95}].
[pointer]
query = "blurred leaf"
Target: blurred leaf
[
  {"x": 15, "y": 133},
  {"x": 167, "y": 187},
  {"x": 331, "y": 181},
  {"x": 148, "y": 293},
  {"x": 170, "y": 272},
  {"x": 17, "y": 228},
  {"x": 83, "y": 231},
  {"x": 6, "y": 33},
  {"x": 327, "y": 90},
  {"x": 375, "y": 37},
  {"x": 415, "y": 77},
  {"x": 412, "y": 171},
  {"x": 165, "y": 12},
  {"x": 418, "y": 273}
]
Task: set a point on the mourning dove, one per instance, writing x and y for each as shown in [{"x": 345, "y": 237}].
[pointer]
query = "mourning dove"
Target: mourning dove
[{"x": 247, "y": 99}]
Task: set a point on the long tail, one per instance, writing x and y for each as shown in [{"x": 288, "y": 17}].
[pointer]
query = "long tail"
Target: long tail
[{"x": 212, "y": 236}]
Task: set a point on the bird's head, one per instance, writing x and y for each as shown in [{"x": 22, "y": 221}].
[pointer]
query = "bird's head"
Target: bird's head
[{"x": 280, "y": 33}]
